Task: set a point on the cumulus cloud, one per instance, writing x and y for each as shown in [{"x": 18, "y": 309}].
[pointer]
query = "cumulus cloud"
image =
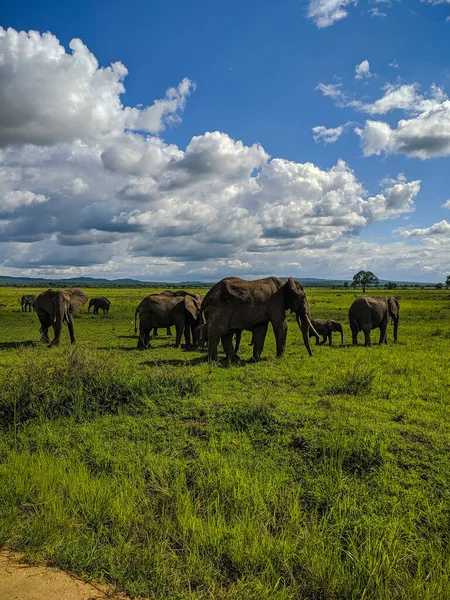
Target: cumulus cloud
[
  {"x": 48, "y": 95},
  {"x": 97, "y": 197},
  {"x": 326, "y": 12},
  {"x": 446, "y": 204},
  {"x": 363, "y": 70},
  {"x": 441, "y": 228},
  {"x": 327, "y": 135}
]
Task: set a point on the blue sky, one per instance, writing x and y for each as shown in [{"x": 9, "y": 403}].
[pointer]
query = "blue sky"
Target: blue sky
[{"x": 303, "y": 138}]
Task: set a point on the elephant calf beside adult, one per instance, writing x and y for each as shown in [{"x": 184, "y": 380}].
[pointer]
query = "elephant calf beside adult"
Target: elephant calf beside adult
[
  {"x": 163, "y": 311},
  {"x": 54, "y": 307},
  {"x": 235, "y": 304},
  {"x": 99, "y": 303},
  {"x": 368, "y": 313},
  {"x": 27, "y": 302},
  {"x": 325, "y": 329}
]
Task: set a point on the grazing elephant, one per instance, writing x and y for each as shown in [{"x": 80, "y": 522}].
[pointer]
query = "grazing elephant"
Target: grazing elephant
[
  {"x": 98, "y": 303},
  {"x": 54, "y": 307},
  {"x": 368, "y": 313},
  {"x": 163, "y": 311},
  {"x": 325, "y": 328},
  {"x": 169, "y": 293},
  {"x": 27, "y": 301},
  {"x": 235, "y": 303},
  {"x": 200, "y": 337}
]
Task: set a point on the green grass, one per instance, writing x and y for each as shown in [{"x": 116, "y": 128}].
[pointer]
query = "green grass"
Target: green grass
[{"x": 324, "y": 478}]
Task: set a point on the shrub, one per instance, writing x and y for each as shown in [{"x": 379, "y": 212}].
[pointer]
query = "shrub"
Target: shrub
[{"x": 355, "y": 382}]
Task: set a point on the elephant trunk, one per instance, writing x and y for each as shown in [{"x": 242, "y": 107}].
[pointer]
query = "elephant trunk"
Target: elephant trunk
[
  {"x": 304, "y": 323},
  {"x": 60, "y": 313},
  {"x": 136, "y": 312},
  {"x": 395, "y": 328}
]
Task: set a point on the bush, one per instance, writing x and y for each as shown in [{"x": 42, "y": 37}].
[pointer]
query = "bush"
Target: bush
[
  {"x": 81, "y": 385},
  {"x": 354, "y": 382}
]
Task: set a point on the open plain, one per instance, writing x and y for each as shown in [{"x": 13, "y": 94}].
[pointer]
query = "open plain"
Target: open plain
[{"x": 323, "y": 478}]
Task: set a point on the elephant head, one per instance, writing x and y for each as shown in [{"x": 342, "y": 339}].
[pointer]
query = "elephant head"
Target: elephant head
[
  {"x": 336, "y": 326},
  {"x": 394, "y": 308},
  {"x": 296, "y": 301},
  {"x": 66, "y": 302},
  {"x": 91, "y": 303}
]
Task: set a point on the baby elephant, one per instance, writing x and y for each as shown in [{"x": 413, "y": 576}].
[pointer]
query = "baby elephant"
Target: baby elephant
[{"x": 325, "y": 328}]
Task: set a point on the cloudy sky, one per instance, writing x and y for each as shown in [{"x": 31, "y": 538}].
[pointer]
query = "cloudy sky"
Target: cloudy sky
[{"x": 180, "y": 141}]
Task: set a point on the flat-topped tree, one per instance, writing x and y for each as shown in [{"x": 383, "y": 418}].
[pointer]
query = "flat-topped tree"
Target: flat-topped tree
[{"x": 364, "y": 278}]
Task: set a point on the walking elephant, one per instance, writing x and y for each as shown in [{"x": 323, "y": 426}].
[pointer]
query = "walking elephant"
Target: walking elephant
[
  {"x": 368, "y": 313},
  {"x": 27, "y": 302},
  {"x": 163, "y": 311},
  {"x": 99, "y": 303},
  {"x": 325, "y": 329},
  {"x": 234, "y": 303},
  {"x": 200, "y": 337},
  {"x": 54, "y": 307},
  {"x": 170, "y": 293}
]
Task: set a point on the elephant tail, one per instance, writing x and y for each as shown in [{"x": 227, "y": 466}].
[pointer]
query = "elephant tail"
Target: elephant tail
[{"x": 136, "y": 312}]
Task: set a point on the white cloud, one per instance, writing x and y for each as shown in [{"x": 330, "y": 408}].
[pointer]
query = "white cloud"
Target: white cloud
[
  {"x": 14, "y": 199},
  {"x": 376, "y": 12},
  {"x": 49, "y": 96},
  {"x": 328, "y": 136},
  {"x": 441, "y": 228},
  {"x": 446, "y": 204},
  {"x": 396, "y": 199},
  {"x": 326, "y": 12},
  {"x": 363, "y": 70}
]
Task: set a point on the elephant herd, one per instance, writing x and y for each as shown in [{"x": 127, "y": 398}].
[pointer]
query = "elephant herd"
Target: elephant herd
[{"x": 231, "y": 306}]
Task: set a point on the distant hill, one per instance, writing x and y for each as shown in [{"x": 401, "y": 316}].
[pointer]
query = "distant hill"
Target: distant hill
[{"x": 99, "y": 282}]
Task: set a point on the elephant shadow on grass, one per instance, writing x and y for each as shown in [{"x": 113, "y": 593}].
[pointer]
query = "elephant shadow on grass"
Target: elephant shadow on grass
[
  {"x": 25, "y": 344},
  {"x": 174, "y": 362}
]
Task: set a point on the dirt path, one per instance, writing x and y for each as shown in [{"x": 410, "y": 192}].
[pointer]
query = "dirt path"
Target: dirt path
[{"x": 19, "y": 581}]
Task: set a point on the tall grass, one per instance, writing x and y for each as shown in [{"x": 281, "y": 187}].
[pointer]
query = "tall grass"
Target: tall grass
[{"x": 324, "y": 478}]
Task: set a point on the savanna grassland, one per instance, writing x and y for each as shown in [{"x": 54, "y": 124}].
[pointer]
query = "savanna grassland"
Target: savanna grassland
[{"x": 323, "y": 478}]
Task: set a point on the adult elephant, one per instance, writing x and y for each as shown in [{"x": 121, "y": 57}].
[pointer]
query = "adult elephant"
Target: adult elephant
[
  {"x": 163, "y": 311},
  {"x": 99, "y": 303},
  {"x": 27, "y": 302},
  {"x": 368, "y": 313},
  {"x": 54, "y": 307},
  {"x": 234, "y": 303},
  {"x": 325, "y": 329},
  {"x": 171, "y": 294}
]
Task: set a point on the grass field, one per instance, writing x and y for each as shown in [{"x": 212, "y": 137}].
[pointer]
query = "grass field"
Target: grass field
[{"x": 324, "y": 478}]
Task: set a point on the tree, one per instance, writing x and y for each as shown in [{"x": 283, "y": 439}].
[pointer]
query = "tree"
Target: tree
[
  {"x": 391, "y": 285},
  {"x": 364, "y": 278},
  {"x": 447, "y": 281},
  {"x": 439, "y": 286},
  {"x": 345, "y": 285}
]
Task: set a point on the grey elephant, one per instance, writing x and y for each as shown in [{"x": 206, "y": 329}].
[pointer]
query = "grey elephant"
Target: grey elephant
[
  {"x": 27, "y": 302},
  {"x": 368, "y": 313},
  {"x": 200, "y": 337},
  {"x": 170, "y": 293},
  {"x": 54, "y": 307},
  {"x": 325, "y": 329},
  {"x": 99, "y": 303},
  {"x": 163, "y": 311},
  {"x": 235, "y": 304}
]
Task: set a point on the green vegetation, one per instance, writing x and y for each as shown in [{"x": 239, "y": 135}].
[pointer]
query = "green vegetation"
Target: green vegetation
[{"x": 324, "y": 478}]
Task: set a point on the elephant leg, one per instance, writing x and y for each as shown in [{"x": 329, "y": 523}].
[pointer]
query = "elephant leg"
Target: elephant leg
[
  {"x": 317, "y": 340},
  {"x": 383, "y": 334},
  {"x": 213, "y": 342},
  {"x": 71, "y": 328},
  {"x": 367, "y": 340},
  {"x": 322, "y": 342},
  {"x": 259, "y": 337},
  {"x": 144, "y": 339},
  {"x": 280, "y": 332},
  {"x": 227, "y": 343},
  {"x": 187, "y": 334},
  {"x": 155, "y": 332},
  {"x": 354, "y": 329},
  {"x": 238, "y": 341},
  {"x": 330, "y": 339},
  {"x": 168, "y": 332},
  {"x": 179, "y": 327}
]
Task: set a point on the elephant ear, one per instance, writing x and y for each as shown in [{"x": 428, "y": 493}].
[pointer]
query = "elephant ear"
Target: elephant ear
[
  {"x": 333, "y": 325},
  {"x": 393, "y": 307},
  {"x": 77, "y": 299},
  {"x": 191, "y": 306}
]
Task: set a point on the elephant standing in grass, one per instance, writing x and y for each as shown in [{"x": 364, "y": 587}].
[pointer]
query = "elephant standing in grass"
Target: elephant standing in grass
[
  {"x": 54, "y": 307},
  {"x": 99, "y": 303},
  {"x": 157, "y": 310},
  {"x": 368, "y": 313},
  {"x": 325, "y": 329},
  {"x": 235, "y": 304},
  {"x": 171, "y": 294},
  {"x": 27, "y": 302}
]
